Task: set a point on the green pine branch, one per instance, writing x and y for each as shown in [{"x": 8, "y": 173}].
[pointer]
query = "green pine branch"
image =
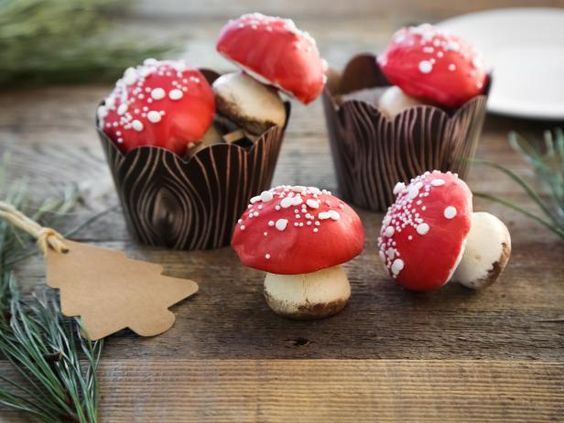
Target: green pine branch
[
  {"x": 548, "y": 164},
  {"x": 56, "y": 367},
  {"x": 65, "y": 41}
]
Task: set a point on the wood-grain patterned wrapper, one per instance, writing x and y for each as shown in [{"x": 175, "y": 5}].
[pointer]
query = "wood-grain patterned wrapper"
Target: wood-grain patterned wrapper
[
  {"x": 372, "y": 152},
  {"x": 191, "y": 204}
]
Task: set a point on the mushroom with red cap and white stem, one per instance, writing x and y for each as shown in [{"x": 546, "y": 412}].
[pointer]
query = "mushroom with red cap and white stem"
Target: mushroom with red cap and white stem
[
  {"x": 273, "y": 52},
  {"x": 430, "y": 235},
  {"x": 487, "y": 252},
  {"x": 300, "y": 236},
  {"x": 160, "y": 103},
  {"x": 423, "y": 233},
  {"x": 430, "y": 66}
]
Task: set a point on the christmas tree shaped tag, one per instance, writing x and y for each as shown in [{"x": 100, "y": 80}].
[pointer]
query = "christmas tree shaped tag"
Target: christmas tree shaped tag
[{"x": 108, "y": 290}]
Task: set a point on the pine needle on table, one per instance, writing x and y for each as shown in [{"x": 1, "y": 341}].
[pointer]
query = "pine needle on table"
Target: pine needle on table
[
  {"x": 56, "y": 367},
  {"x": 548, "y": 163}
]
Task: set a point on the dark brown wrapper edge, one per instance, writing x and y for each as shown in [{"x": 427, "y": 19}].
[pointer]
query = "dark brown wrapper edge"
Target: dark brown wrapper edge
[
  {"x": 191, "y": 204},
  {"x": 371, "y": 152}
]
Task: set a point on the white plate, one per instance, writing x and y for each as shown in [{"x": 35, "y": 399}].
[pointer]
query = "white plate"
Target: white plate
[{"x": 525, "y": 49}]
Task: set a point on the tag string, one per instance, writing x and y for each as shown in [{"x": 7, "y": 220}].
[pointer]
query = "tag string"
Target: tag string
[{"x": 46, "y": 237}]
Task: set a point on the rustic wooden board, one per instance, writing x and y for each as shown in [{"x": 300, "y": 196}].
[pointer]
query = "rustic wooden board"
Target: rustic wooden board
[
  {"x": 391, "y": 355},
  {"x": 329, "y": 390}
]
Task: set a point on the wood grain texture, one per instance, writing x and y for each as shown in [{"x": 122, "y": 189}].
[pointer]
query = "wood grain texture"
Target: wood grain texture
[
  {"x": 331, "y": 390},
  {"x": 452, "y": 355},
  {"x": 520, "y": 317},
  {"x": 194, "y": 204}
]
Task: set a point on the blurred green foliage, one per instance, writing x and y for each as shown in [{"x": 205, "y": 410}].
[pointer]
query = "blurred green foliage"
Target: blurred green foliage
[
  {"x": 547, "y": 160},
  {"x": 65, "y": 41}
]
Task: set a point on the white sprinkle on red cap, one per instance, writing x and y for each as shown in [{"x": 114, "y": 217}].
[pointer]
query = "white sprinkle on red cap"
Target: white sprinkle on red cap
[{"x": 153, "y": 116}]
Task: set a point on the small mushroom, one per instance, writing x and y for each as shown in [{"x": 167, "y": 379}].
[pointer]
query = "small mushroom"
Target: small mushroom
[
  {"x": 211, "y": 137},
  {"x": 393, "y": 101},
  {"x": 488, "y": 248},
  {"x": 424, "y": 232},
  {"x": 159, "y": 103},
  {"x": 275, "y": 52},
  {"x": 433, "y": 66},
  {"x": 309, "y": 295},
  {"x": 300, "y": 236},
  {"x": 252, "y": 105}
]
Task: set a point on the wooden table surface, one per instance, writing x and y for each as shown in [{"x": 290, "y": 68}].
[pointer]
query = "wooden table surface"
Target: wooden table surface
[{"x": 454, "y": 354}]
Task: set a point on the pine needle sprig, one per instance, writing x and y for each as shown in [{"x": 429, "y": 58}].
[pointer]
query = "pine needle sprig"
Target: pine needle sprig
[
  {"x": 548, "y": 164},
  {"x": 56, "y": 366}
]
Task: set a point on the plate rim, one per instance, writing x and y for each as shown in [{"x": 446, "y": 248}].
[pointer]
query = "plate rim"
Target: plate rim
[{"x": 493, "y": 107}]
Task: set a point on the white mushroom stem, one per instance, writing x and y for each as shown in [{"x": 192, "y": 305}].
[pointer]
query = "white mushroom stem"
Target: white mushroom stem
[
  {"x": 394, "y": 100},
  {"x": 212, "y": 136},
  {"x": 252, "y": 105},
  {"x": 487, "y": 252},
  {"x": 308, "y": 296}
]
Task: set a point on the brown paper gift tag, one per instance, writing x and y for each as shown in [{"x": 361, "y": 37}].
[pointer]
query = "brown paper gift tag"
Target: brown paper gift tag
[{"x": 111, "y": 292}]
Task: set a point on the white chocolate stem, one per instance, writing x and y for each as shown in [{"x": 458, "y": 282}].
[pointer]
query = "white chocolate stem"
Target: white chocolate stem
[
  {"x": 252, "y": 105},
  {"x": 393, "y": 101},
  {"x": 308, "y": 296},
  {"x": 488, "y": 248}
]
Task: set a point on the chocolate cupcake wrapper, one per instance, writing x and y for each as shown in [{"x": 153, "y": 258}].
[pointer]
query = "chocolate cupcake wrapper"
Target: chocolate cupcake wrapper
[
  {"x": 371, "y": 152},
  {"x": 191, "y": 204}
]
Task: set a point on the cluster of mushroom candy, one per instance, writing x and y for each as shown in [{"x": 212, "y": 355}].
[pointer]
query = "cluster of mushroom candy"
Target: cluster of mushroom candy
[
  {"x": 300, "y": 236},
  {"x": 430, "y": 235},
  {"x": 170, "y": 105},
  {"x": 426, "y": 65}
]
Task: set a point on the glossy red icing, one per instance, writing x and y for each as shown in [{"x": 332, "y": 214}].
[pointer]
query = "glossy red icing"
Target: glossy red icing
[
  {"x": 274, "y": 51},
  {"x": 433, "y": 66},
  {"x": 162, "y": 104},
  {"x": 424, "y": 231},
  {"x": 295, "y": 230}
]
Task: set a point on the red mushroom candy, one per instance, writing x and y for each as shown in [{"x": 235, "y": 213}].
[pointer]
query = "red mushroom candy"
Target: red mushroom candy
[
  {"x": 300, "y": 236},
  {"x": 275, "y": 52},
  {"x": 424, "y": 232},
  {"x": 433, "y": 66},
  {"x": 160, "y": 103}
]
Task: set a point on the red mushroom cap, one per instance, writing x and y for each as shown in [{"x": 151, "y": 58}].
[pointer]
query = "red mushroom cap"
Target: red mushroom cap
[
  {"x": 160, "y": 103},
  {"x": 423, "y": 234},
  {"x": 293, "y": 230},
  {"x": 433, "y": 66},
  {"x": 275, "y": 52}
]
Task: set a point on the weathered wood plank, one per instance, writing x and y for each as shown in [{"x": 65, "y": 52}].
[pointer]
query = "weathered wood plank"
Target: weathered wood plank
[
  {"x": 519, "y": 317},
  {"x": 330, "y": 390}
]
